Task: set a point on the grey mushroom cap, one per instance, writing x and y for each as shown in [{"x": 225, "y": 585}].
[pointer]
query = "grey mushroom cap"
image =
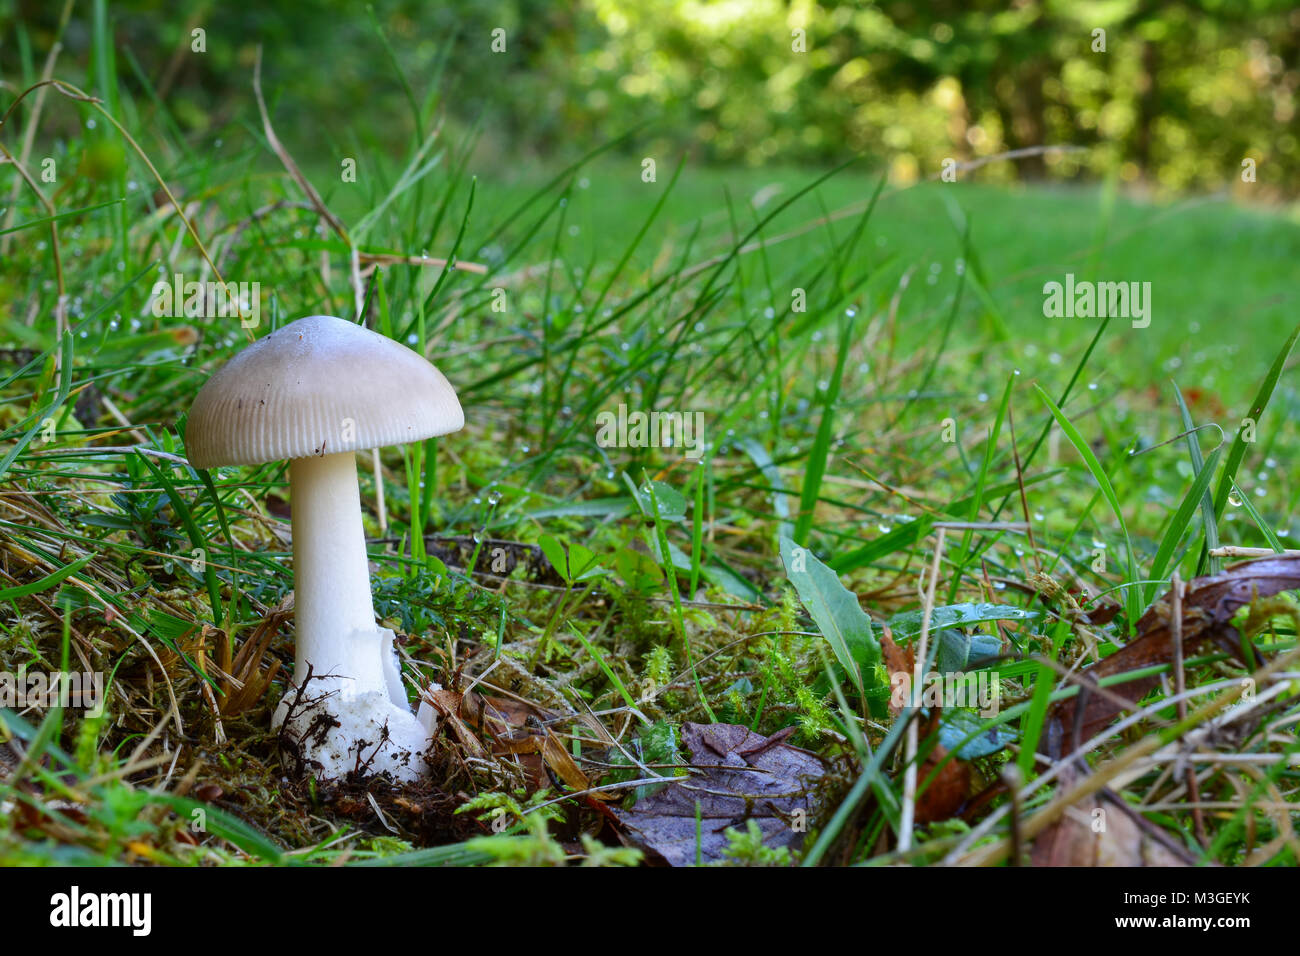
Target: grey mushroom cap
[{"x": 318, "y": 386}]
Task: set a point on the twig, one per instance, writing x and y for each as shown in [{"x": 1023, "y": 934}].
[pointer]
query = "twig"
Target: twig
[
  {"x": 1231, "y": 551},
  {"x": 1180, "y": 685},
  {"x": 908, "y": 812}
]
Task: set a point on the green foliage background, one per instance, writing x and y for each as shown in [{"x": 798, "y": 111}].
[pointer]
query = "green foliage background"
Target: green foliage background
[{"x": 1183, "y": 92}]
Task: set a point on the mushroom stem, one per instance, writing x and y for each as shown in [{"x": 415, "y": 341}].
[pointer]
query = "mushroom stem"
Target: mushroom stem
[
  {"x": 333, "y": 610},
  {"x": 354, "y": 715}
]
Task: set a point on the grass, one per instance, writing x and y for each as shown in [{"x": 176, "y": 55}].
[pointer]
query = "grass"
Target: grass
[{"x": 825, "y": 424}]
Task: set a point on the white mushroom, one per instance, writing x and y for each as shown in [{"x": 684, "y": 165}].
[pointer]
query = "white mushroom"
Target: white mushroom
[{"x": 316, "y": 392}]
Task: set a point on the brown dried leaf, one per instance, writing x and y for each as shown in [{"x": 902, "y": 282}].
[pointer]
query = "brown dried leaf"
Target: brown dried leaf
[
  {"x": 946, "y": 793},
  {"x": 1208, "y": 609},
  {"x": 447, "y": 704},
  {"x": 508, "y": 723},
  {"x": 562, "y": 763},
  {"x": 1102, "y": 830},
  {"x": 898, "y": 660},
  {"x": 740, "y": 776}
]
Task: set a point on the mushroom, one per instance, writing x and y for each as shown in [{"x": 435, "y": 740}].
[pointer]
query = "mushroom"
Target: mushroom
[{"x": 316, "y": 392}]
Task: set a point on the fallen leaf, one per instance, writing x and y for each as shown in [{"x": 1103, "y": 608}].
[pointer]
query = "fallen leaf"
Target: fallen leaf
[
  {"x": 897, "y": 661},
  {"x": 1208, "y": 608},
  {"x": 447, "y": 704},
  {"x": 558, "y": 759},
  {"x": 739, "y": 775},
  {"x": 516, "y": 728},
  {"x": 1102, "y": 830},
  {"x": 946, "y": 793}
]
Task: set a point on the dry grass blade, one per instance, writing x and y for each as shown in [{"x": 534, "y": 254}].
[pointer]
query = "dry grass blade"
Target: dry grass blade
[{"x": 244, "y": 683}]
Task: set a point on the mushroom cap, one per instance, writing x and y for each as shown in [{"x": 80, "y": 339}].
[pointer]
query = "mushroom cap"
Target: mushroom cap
[{"x": 318, "y": 386}]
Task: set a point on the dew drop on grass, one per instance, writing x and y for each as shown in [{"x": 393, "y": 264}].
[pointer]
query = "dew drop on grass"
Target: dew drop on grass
[
  {"x": 999, "y": 585},
  {"x": 494, "y": 498},
  {"x": 1233, "y": 499}
]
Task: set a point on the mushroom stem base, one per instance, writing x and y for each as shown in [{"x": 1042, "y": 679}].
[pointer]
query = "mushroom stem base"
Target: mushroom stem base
[{"x": 335, "y": 730}]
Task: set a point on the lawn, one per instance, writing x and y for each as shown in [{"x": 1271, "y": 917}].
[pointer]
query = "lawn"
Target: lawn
[{"x": 876, "y": 383}]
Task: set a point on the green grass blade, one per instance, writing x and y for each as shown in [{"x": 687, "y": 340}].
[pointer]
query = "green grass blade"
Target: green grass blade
[
  {"x": 821, "y": 448},
  {"x": 47, "y": 582},
  {"x": 1133, "y": 599},
  {"x": 1178, "y": 525},
  {"x": 1208, "y": 519},
  {"x": 1239, "y": 443},
  {"x": 1256, "y": 517}
]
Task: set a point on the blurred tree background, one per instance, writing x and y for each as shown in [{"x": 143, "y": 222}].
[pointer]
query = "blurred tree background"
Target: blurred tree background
[{"x": 1180, "y": 95}]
